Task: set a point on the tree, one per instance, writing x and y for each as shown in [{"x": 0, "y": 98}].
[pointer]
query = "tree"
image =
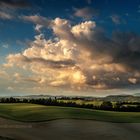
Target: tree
[{"x": 106, "y": 105}]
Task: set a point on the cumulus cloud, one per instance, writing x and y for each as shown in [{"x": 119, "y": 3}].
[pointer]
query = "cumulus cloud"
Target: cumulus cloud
[
  {"x": 80, "y": 57},
  {"x": 85, "y": 12}
]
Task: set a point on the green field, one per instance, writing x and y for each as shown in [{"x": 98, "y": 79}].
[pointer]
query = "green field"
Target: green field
[{"x": 37, "y": 113}]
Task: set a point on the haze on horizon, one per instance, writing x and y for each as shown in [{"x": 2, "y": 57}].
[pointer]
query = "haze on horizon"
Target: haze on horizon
[{"x": 76, "y": 47}]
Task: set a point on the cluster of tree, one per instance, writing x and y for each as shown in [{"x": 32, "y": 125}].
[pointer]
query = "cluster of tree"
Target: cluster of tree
[
  {"x": 106, "y": 105},
  {"x": 121, "y": 106}
]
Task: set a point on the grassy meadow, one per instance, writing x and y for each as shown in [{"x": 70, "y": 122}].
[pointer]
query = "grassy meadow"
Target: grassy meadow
[{"x": 38, "y": 113}]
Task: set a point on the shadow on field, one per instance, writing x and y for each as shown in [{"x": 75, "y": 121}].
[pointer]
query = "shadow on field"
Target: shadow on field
[{"x": 68, "y": 129}]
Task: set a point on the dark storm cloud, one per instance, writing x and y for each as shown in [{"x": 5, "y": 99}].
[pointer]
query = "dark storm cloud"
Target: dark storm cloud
[
  {"x": 122, "y": 47},
  {"x": 128, "y": 49},
  {"x": 120, "y": 59},
  {"x": 113, "y": 80},
  {"x": 14, "y": 4}
]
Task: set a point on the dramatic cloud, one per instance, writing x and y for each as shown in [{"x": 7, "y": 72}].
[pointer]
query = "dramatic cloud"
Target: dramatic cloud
[
  {"x": 86, "y": 12},
  {"x": 79, "y": 57}
]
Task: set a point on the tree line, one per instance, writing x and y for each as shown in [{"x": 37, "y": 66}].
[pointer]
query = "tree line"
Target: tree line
[{"x": 106, "y": 105}]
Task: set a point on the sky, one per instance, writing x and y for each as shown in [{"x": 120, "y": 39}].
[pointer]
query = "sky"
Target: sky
[{"x": 75, "y": 47}]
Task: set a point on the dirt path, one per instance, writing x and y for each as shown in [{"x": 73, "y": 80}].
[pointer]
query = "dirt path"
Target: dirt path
[{"x": 68, "y": 130}]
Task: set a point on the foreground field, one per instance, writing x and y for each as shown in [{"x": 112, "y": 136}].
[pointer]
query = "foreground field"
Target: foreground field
[
  {"x": 31, "y": 122},
  {"x": 39, "y": 113},
  {"x": 68, "y": 129}
]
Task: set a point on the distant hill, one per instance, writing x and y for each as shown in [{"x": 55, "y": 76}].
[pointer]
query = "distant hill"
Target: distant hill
[{"x": 122, "y": 98}]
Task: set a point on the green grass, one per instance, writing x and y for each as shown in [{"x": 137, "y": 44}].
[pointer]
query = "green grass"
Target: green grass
[{"x": 37, "y": 113}]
